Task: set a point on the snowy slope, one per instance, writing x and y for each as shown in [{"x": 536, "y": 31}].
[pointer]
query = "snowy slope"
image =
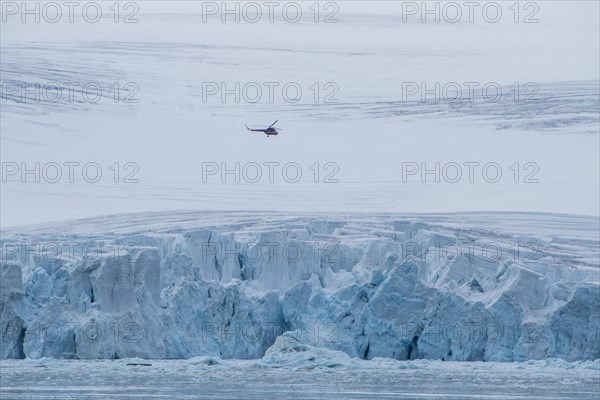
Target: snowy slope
[
  {"x": 368, "y": 131},
  {"x": 484, "y": 286}
]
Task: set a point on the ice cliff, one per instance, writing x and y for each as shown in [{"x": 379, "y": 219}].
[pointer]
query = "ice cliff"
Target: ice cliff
[{"x": 493, "y": 287}]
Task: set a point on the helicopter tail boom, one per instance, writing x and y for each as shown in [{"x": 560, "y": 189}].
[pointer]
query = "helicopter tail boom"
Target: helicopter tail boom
[{"x": 254, "y": 130}]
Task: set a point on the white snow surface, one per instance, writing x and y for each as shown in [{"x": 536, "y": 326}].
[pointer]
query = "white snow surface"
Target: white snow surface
[
  {"x": 181, "y": 284},
  {"x": 368, "y": 133}
]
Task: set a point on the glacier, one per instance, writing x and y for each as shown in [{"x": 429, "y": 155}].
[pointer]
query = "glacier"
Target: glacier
[{"x": 236, "y": 285}]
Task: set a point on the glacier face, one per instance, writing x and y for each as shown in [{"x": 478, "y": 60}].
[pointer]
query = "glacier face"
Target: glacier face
[{"x": 492, "y": 287}]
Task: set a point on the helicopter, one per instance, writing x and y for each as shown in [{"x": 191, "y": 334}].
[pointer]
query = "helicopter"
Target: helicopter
[{"x": 270, "y": 131}]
